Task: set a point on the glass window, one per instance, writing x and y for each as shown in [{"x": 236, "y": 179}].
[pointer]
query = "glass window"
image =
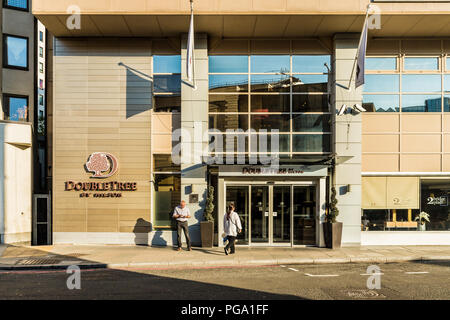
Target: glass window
[
  {"x": 382, "y": 83},
  {"x": 15, "y": 108},
  {"x": 167, "y": 103},
  {"x": 310, "y": 83},
  {"x": 231, "y": 64},
  {"x": 223, "y": 122},
  {"x": 447, "y": 103},
  {"x": 167, "y": 83},
  {"x": 421, "y": 103},
  {"x": 421, "y": 82},
  {"x": 381, "y": 64},
  {"x": 310, "y": 64},
  {"x": 264, "y": 142},
  {"x": 435, "y": 202},
  {"x": 16, "y": 52},
  {"x": 41, "y": 36},
  {"x": 164, "y": 163},
  {"x": 421, "y": 63},
  {"x": 311, "y": 123},
  {"x": 381, "y": 102},
  {"x": 447, "y": 82},
  {"x": 41, "y": 52},
  {"x": 311, "y": 143},
  {"x": 270, "y": 103},
  {"x": 228, "y": 103},
  {"x": 167, "y": 64},
  {"x": 310, "y": 103},
  {"x": 270, "y": 83},
  {"x": 448, "y": 63},
  {"x": 228, "y": 83},
  {"x": 280, "y": 122},
  {"x": 228, "y": 143},
  {"x": 270, "y": 64},
  {"x": 167, "y": 196},
  {"x": 16, "y": 4}
]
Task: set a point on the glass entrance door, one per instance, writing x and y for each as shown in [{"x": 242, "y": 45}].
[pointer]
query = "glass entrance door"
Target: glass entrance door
[
  {"x": 260, "y": 214},
  {"x": 275, "y": 214},
  {"x": 281, "y": 214}
]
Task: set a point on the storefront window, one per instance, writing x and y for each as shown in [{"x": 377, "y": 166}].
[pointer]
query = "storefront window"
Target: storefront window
[
  {"x": 167, "y": 190},
  {"x": 264, "y": 94},
  {"x": 435, "y": 202},
  {"x": 433, "y": 215}
]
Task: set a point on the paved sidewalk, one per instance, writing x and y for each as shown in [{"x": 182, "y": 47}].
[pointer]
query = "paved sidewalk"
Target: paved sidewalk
[{"x": 117, "y": 256}]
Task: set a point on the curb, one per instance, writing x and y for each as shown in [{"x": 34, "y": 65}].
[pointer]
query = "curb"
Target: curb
[{"x": 231, "y": 263}]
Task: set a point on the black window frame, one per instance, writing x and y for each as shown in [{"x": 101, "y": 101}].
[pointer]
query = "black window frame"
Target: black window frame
[
  {"x": 6, "y": 110},
  {"x": 7, "y": 6},
  {"x": 5, "y": 52}
]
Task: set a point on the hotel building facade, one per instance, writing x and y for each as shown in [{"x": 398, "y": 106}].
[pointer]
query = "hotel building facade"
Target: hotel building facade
[{"x": 270, "y": 80}]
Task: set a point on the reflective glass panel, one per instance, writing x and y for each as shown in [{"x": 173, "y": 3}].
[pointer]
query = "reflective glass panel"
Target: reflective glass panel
[
  {"x": 447, "y": 82},
  {"x": 230, "y": 64},
  {"x": 310, "y": 64},
  {"x": 167, "y": 103},
  {"x": 223, "y": 122},
  {"x": 310, "y": 103},
  {"x": 447, "y": 103},
  {"x": 239, "y": 196},
  {"x": 270, "y": 103},
  {"x": 381, "y": 64},
  {"x": 421, "y": 82},
  {"x": 167, "y": 196},
  {"x": 311, "y": 123},
  {"x": 310, "y": 83},
  {"x": 228, "y": 103},
  {"x": 381, "y": 102},
  {"x": 280, "y": 122},
  {"x": 21, "y": 4},
  {"x": 228, "y": 83},
  {"x": 17, "y": 52},
  {"x": 382, "y": 83},
  {"x": 18, "y": 109},
  {"x": 264, "y": 143},
  {"x": 228, "y": 143},
  {"x": 167, "y": 64},
  {"x": 270, "y": 64},
  {"x": 167, "y": 83},
  {"x": 421, "y": 103},
  {"x": 419, "y": 63},
  {"x": 311, "y": 143},
  {"x": 270, "y": 83}
]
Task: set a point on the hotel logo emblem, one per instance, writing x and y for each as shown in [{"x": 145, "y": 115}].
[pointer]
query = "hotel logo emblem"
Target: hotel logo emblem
[{"x": 102, "y": 165}]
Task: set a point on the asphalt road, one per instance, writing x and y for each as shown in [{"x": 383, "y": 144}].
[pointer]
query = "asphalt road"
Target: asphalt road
[{"x": 331, "y": 282}]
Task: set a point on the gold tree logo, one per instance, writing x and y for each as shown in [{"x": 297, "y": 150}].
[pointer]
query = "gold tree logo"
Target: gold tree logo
[{"x": 102, "y": 164}]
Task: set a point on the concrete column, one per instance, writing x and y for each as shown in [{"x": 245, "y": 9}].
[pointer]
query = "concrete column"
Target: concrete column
[
  {"x": 194, "y": 125},
  {"x": 347, "y": 138}
]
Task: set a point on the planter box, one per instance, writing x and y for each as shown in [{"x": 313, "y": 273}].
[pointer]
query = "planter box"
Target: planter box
[
  {"x": 333, "y": 234},
  {"x": 207, "y": 234}
]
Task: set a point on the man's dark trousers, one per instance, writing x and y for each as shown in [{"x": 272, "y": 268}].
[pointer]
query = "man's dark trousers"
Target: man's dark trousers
[
  {"x": 183, "y": 225},
  {"x": 230, "y": 245}
]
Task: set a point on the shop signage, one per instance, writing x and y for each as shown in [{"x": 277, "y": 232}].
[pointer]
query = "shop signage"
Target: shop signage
[
  {"x": 438, "y": 201},
  {"x": 102, "y": 165},
  {"x": 280, "y": 171}
]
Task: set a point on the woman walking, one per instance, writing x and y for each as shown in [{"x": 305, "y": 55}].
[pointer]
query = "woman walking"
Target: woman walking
[{"x": 232, "y": 226}]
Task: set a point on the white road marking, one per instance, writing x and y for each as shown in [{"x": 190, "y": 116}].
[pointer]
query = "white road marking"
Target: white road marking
[
  {"x": 321, "y": 275},
  {"x": 417, "y": 272},
  {"x": 282, "y": 266},
  {"x": 293, "y": 269},
  {"x": 372, "y": 274}
]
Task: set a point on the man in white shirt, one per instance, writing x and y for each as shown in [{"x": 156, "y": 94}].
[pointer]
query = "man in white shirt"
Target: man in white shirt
[
  {"x": 182, "y": 214},
  {"x": 232, "y": 226}
]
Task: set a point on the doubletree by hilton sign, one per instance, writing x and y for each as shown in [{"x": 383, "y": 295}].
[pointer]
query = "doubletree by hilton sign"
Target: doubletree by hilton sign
[{"x": 102, "y": 165}]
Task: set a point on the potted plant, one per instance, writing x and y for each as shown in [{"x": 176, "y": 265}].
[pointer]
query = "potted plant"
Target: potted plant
[
  {"x": 332, "y": 228},
  {"x": 207, "y": 226},
  {"x": 423, "y": 217}
]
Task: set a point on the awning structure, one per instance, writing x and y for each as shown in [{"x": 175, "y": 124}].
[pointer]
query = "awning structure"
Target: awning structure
[{"x": 242, "y": 18}]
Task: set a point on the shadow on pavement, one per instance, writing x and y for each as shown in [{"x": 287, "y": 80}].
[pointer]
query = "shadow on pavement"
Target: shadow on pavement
[{"x": 101, "y": 283}]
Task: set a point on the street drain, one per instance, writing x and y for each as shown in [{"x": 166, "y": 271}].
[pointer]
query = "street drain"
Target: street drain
[
  {"x": 362, "y": 294},
  {"x": 37, "y": 261}
]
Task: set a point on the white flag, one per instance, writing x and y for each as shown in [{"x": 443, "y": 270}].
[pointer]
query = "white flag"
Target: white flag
[
  {"x": 361, "y": 58},
  {"x": 190, "y": 50}
]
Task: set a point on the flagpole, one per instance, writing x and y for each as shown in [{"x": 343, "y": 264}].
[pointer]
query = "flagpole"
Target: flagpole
[
  {"x": 359, "y": 45},
  {"x": 193, "y": 49}
]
